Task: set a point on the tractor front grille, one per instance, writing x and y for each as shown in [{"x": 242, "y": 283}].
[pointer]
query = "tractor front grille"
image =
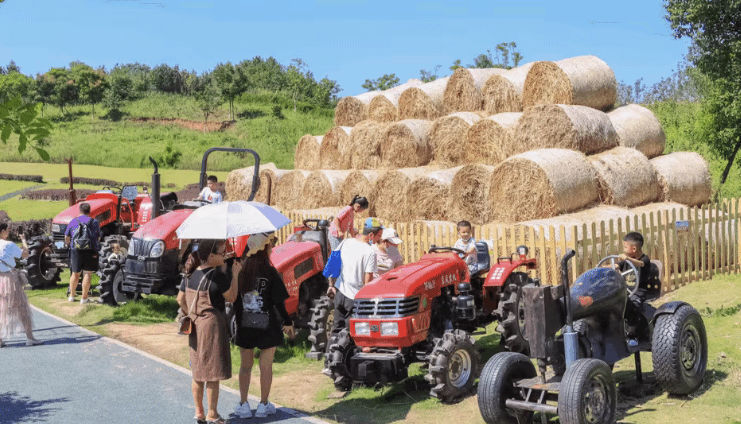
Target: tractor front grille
[
  {"x": 140, "y": 247},
  {"x": 368, "y": 308}
]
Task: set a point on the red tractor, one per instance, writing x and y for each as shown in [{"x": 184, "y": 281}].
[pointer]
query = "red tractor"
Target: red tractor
[{"x": 425, "y": 312}]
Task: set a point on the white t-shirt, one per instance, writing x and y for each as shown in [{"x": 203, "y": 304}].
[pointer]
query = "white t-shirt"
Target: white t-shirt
[
  {"x": 211, "y": 196},
  {"x": 466, "y": 246},
  {"x": 9, "y": 251},
  {"x": 358, "y": 258}
]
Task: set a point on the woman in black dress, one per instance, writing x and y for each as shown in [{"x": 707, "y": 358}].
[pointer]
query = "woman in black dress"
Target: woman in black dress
[{"x": 261, "y": 296}]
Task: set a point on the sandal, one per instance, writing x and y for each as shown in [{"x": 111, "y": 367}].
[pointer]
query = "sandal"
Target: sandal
[
  {"x": 200, "y": 420},
  {"x": 218, "y": 420}
]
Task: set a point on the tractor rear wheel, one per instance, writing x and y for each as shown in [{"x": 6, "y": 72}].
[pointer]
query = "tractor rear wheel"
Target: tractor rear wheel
[
  {"x": 511, "y": 313},
  {"x": 680, "y": 350},
  {"x": 320, "y": 326},
  {"x": 41, "y": 272},
  {"x": 453, "y": 366},
  {"x": 341, "y": 349},
  {"x": 496, "y": 385},
  {"x": 587, "y": 394}
]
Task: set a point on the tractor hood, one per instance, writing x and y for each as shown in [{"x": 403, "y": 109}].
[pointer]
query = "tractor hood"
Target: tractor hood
[
  {"x": 428, "y": 275},
  {"x": 99, "y": 203},
  {"x": 287, "y": 253},
  {"x": 163, "y": 227}
]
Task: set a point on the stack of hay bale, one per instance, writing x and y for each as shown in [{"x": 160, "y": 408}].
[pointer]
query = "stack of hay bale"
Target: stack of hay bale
[{"x": 529, "y": 143}]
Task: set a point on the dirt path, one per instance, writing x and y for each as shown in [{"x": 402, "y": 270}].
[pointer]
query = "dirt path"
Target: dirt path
[{"x": 19, "y": 192}]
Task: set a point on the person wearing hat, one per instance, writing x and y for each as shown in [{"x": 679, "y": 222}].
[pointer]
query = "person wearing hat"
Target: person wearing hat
[{"x": 387, "y": 252}]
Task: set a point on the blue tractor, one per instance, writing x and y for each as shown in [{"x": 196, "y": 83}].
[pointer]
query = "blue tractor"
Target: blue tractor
[{"x": 576, "y": 335}]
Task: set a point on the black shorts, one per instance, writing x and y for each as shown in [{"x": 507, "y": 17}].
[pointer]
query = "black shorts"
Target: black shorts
[{"x": 83, "y": 260}]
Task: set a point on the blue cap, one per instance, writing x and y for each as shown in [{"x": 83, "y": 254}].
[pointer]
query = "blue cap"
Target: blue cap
[{"x": 372, "y": 223}]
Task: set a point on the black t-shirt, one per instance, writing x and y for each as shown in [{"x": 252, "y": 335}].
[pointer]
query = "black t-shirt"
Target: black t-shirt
[
  {"x": 648, "y": 276},
  {"x": 220, "y": 283},
  {"x": 268, "y": 295}
]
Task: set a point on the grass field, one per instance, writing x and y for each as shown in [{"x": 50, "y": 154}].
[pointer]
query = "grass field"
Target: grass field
[{"x": 299, "y": 384}]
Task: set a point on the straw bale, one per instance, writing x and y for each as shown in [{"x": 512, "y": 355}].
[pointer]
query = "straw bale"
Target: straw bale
[
  {"x": 625, "y": 177},
  {"x": 239, "y": 182},
  {"x": 469, "y": 194},
  {"x": 322, "y": 188},
  {"x": 406, "y": 143},
  {"x": 353, "y": 109},
  {"x": 385, "y": 107},
  {"x": 579, "y": 219},
  {"x": 307, "y": 152},
  {"x": 365, "y": 144},
  {"x": 637, "y": 127},
  {"x": 488, "y": 140},
  {"x": 448, "y": 136},
  {"x": 327, "y": 213},
  {"x": 427, "y": 195},
  {"x": 562, "y": 126},
  {"x": 463, "y": 91},
  {"x": 288, "y": 189},
  {"x": 684, "y": 177},
  {"x": 581, "y": 80},
  {"x": 423, "y": 102},
  {"x": 389, "y": 192},
  {"x": 359, "y": 182},
  {"x": 335, "y": 148},
  {"x": 503, "y": 92},
  {"x": 550, "y": 181}
]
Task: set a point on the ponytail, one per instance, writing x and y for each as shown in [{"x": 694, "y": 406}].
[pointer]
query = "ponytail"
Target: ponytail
[
  {"x": 191, "y": 263},
  {"x": 360, "y": 200}
]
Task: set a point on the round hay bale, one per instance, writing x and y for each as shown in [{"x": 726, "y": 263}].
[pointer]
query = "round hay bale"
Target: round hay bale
[
  {"x": 637, "y": 127},
  {"x": 469, "y": 192},
  {"x": 406, "y": 143},
  {"x": 463, "y": 91},
  {"x": 385, "y": 107},
  {"x": 365, "y": 144},
  {"x": 596, "y": 215},
  {"x": 503, "y": 92},
  {"x": 448, "y": 136},
  {"x": 488, "y": 140},
  {"x": 625, "y": 177},
  {"x": 563, "y": 126},
  {"x": 288, "y": 189},
  {"x": 239, "y": 182},
  {"x": 581, "y": 80},
  {"x": 557, "y": 181},
  {"x": 359, "y": 182},
  {"x": 427, "y": 195},
  {"x": 322, "y": 189},
  {"x": 684, "y": 177},
  {"x": 353, "y": 109},
  {"x": 389, "y": 192},
  {"x": 335, "y": 148},
  {"x": 307, "y": 152},
  {"x": 423, "y": 102}
]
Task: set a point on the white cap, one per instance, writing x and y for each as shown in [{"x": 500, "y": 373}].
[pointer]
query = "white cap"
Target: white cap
[{"x": 390, "y": 235}]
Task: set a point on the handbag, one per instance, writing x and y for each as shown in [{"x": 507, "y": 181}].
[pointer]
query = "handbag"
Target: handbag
[
  {"x": 186, "y": 323},
  {"x": 256, "y": 320},
  {"x": 334, "y": 263}
]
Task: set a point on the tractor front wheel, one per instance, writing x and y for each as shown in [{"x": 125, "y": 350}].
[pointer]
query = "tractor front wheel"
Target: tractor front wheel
[
  {"x": 41, "y": 272},
  {"x": 453, "y": 366},
  {"x": 587, "y": 394},
  {"x": 680, "y": 350},
  {"x": 111, "y": 257},
  {"x": 497, "y": 384},
  {"x": 320, "y": 326},
  {"x": 511, "y": 313},
  {"x": 341, "y": 349}
]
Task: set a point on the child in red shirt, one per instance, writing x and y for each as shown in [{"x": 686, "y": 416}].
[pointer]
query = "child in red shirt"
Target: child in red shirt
[{"x": 342, "y": 223}]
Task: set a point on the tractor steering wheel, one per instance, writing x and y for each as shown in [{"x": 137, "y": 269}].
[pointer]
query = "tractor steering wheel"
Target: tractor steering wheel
[
  {"x": 437, "y": 249},
  {"x": 633, "y": 270}
]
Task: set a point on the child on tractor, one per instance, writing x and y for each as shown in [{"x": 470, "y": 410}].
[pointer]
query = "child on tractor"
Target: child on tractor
[{"x": 467, "y": 244}]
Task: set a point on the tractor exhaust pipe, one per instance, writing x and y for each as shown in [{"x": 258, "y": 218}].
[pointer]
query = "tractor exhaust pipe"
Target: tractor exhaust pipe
[
  {"x": 570, "y": 337},
  {"x": 155, "y": 195}
]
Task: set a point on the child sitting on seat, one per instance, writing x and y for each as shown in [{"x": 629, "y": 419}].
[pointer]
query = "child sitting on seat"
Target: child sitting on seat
[
  {"x": 467, "y": 244},
  {"x": 633, "y": 253}
]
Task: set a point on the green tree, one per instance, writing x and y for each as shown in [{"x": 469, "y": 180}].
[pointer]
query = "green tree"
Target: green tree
[
  {"x": 231, "y": 81},
  {"x": 120, "y": 89},
  {"x": 384, "y": 82},
  {"x": 208, "y": 96},
  {"x": 713, "y": 27},
  {"x": 66, "y": 90},
  {"x": 15, "y": 84},
  {"x": 505, "y": 55},
  {"x": 22, "y": 118},
  {"x": 43, "y": 90},
  {"x": 166, "y": 79},
  {"x": 92, "y": 83},
  {"x": 139, "y": 75},
  {"x": 429, "y": 76}
]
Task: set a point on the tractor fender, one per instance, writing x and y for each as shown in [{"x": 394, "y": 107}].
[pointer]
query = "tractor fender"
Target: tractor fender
[
  {"x": 500, "y": 271},
  {"x": 668, "y": 308}
]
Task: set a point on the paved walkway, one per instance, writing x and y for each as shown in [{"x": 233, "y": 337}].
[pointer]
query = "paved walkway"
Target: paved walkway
[{"x": 79, "y": 377}]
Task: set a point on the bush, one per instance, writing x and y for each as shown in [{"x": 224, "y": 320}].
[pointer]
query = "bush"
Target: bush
[
  {"x": 278, "y": 112},
  {"x": 32, "y": 178}
]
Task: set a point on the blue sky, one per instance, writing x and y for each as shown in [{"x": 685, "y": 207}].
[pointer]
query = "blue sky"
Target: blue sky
[{"x": 348, "y": 41}]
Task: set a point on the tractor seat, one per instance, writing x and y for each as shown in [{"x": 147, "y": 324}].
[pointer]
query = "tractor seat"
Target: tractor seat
[
  {"x": 483, "y": 260},
  {"x": 169, "y": 200}
]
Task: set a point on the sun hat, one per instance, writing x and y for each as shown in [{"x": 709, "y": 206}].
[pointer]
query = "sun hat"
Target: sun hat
[
  {"x": 257, "y": 242},
  {"x": 391, "y": 235}
]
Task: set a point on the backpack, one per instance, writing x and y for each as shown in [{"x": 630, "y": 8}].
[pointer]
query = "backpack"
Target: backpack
[
  {"x": 334, "y": 263},
  {"x": 81, "y": 237}
]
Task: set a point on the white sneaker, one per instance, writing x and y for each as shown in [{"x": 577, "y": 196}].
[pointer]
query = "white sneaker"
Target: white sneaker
[
  {"x": 71, "y": 299},
  {"x": 264, "y": 409},
  {"x": 84, "y": 301},
  {"x": 243, "y": 410}
]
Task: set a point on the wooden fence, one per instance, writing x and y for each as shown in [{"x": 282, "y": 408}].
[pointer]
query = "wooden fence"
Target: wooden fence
[{"x": 691, "y": 243}]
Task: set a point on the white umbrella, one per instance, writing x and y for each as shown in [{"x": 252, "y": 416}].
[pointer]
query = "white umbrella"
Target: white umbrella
[{"x": 220, "y": 221}]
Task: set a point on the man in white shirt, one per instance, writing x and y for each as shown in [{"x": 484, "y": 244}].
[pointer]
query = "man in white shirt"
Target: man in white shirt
[{"x": 211, "y": 192}]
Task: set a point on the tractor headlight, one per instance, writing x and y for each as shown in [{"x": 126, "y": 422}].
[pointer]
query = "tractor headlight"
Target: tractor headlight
[
  {"x": 157, "y": 249},
  {"x": 56, "y": 228},
  {"x": 362, "y": 329},
  {"x": 389, "y": 329},
  {"x": 522, "y": 250}
]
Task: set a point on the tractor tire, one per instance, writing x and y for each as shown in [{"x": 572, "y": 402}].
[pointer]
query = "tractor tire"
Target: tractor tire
[
  {"x": 320, "y": 324},
  {"x": 680, "y": 350},
  {"x": 587, "y": 393},
  {"x": 511, "y": 313},
  {"x": 109, "y": 271},
  {"x": 39, "y": 271},
  {"x": 106, "y": 250},
  {"x": 341, "y": 349},
  {"x": 453, "y": 366},
  {"x": 496, "y": 385}
]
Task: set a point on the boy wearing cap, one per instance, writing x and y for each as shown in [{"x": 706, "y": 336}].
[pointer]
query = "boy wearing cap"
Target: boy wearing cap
[{"x": 387, "y": 253}]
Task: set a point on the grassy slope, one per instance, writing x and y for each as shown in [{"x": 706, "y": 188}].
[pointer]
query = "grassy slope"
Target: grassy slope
[{"x": 127, "y": 144}]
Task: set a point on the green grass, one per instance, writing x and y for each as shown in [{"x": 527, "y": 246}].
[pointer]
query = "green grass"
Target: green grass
[
  {"x": 25, "y": 209},
  {"x": 9, "y": 186}
]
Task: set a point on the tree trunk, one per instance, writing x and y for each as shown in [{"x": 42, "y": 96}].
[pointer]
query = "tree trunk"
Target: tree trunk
[{"x": 730, "y": 162}]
